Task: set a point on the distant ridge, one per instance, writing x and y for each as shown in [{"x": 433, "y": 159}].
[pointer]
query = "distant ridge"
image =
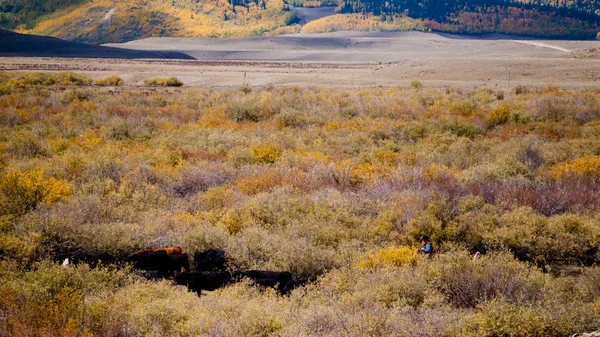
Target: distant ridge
[{"x": 15, "y": 44}]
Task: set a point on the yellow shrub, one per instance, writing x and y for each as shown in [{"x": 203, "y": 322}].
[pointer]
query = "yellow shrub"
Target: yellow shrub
[
  {"x": 388, "y": 157},
  {"x": 15, "y": 83},
  {"x": 218, "y": 197},
  {"x": 113, "y": 80},
  {"x": 22, "y": 192},
  {"x": 164, "y": 82},
  {"x": 231, "y": 221},
  {"x": 362, "y": 173},
  {"x": 499, "y": 116},
  {"x": 437, "y": 172},
  {"x": 391, "y": 256},
  {"x": 585, "y": 167},
  {"x": 266, "y": 153}
]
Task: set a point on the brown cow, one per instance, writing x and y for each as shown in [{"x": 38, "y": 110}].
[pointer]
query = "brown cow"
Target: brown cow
[{"x": 168, "y": 250}]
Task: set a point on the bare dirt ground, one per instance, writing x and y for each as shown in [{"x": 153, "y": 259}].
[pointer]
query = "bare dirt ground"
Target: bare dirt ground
[{"x": 349, "y": 59}]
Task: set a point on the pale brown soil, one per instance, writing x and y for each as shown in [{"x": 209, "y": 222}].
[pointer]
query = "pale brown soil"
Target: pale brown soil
[{"x": 349, "y": 59}]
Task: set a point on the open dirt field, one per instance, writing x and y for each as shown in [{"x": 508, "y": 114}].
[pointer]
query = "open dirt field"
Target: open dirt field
[{"x": 346, "y": 59}]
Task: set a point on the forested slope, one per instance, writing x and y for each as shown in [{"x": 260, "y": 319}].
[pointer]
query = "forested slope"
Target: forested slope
[
  {"x": 101, "y": 21},
  {"x": 554, "y": 19}
]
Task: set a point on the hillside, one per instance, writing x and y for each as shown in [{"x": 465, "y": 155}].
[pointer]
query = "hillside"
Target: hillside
[
  {"x": 14, "y": 44},
  {"x": 105, "y": 21},
  {"x": 542, "y": 18},
  {"x": 101, "y": 21}
]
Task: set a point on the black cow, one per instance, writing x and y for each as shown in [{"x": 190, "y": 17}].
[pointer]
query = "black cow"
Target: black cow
[
  {"x": 203, "y": 280},
  {"x": 208, "y": 260},
  {"x": 96, "y": 259},
  {"x": 158, "y": 260},
  {"x": 282, "y": 281},
  {"x": 178, "y": 261},
  {"x": 153, "y": 275}
]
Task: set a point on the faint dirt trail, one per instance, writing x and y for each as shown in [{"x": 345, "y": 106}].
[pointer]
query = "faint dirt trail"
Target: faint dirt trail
[{"x": 543, "y": 45}]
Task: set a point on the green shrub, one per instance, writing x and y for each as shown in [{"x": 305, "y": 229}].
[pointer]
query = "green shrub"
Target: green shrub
[{"x": 461, "y": 129}]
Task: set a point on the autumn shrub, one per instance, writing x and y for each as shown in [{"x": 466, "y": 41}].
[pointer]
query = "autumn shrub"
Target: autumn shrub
[
  {"x": 113, "y": 80},
  {"x": 246, "y": 88},
  {"x": 499, "y": 318},
  {"x": 567, "y": 239},
  {"x": 499, "y": 116},
  {"x": 468, "y": 282},
  {"x": 266, "y": 153},
  {"x": 298, "y": 118},
  {"x": 391, "y": 256},
  {"x": 21, "y": 192},
  {"x": 520, "y": 89},
  {"x": 36, "y": 78},
  {"x": 585, "y": 168},
  {"x": 258, "y": 182},
  {"x": 72, "y": 78},
  {"x": 50, "y": 300},
  {"x": 461, "y": 129},
  {"x": 463, "y": 107},
  {"x": 163, "y": 82},
  {"x": 315, "y": 181},
  {"x": 197, "y": 179},
  {"x": 530, "y": 154},
  {"x": 240, "y": 113},
  {"x": 70, "y": 96},
  {"x": 416, "y": 84},
  {"x": 547, "y": 198},
  {"x": 27, "y": 145}
]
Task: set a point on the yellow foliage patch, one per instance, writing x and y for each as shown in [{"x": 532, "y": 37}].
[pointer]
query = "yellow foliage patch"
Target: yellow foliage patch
[
  {"x": 266, "y": 153},
  {"x": 255, "y": 184},
  {"x": 391, "y": 257},
  {"x": 113, "y": 80},
  {"x": 585, "y": 167},
  {"x": 22, "y": 192},
  {"x": 338, "y": 22},
  {"x": 437, "y": 172}
]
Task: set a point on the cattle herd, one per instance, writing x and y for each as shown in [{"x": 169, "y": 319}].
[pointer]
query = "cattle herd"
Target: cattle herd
[{"x": 210, "y": 269}]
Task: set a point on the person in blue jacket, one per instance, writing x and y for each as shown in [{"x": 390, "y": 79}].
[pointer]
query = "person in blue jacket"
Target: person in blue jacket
[{"x": 427, "y": 248}]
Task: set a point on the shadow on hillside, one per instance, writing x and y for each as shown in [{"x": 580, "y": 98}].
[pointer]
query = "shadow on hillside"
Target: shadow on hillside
[{"x": 15, "y": 44}]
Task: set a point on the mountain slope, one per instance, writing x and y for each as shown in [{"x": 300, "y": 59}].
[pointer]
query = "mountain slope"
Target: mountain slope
[
  {"x": 101, "y": 21},
  {"x": 14, "y": 44},
  {"x": 105, "y": 21}
]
